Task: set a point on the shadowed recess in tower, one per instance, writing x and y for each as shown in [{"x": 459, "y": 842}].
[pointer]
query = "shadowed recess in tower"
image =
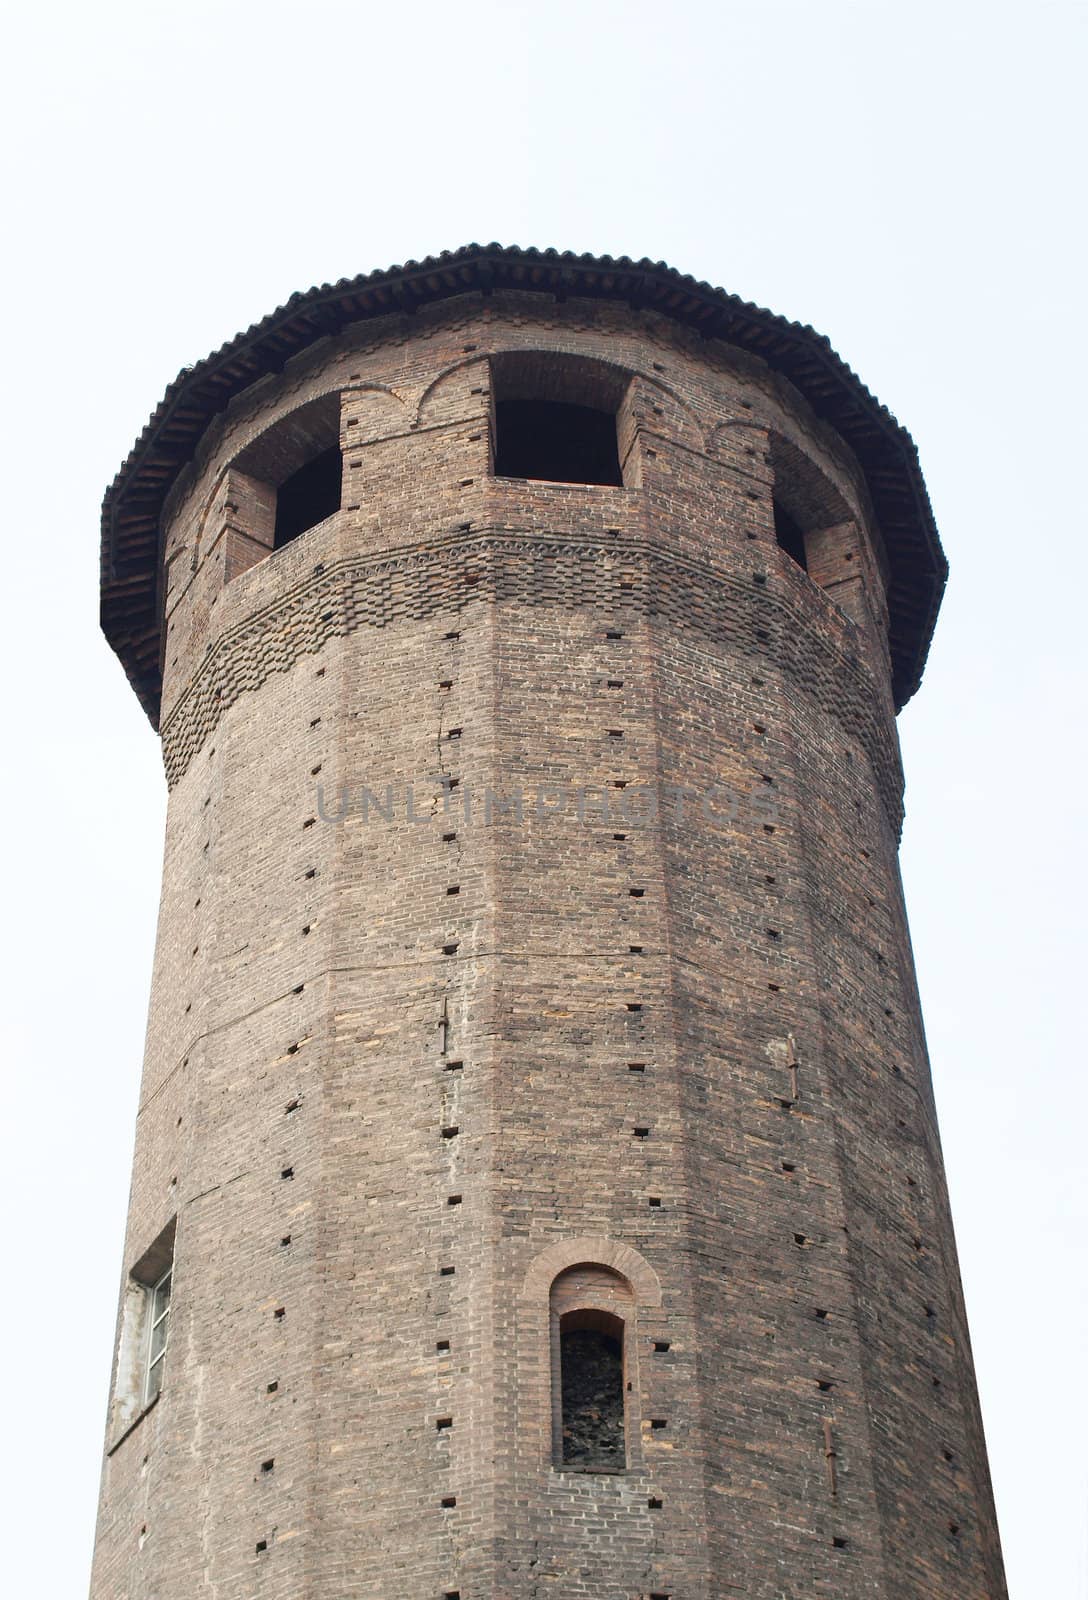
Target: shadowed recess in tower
[
  {"x": 558, "y": 442},
  {"x": 309, "y": 496},
  {"x": 789, "y": 535},
  {"x": 555, "y": 417},
  {"x": 591, "y": 1362}
]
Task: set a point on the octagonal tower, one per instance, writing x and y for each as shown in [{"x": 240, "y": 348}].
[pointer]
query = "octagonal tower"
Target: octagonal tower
[{"x": 537, "y": 1189}]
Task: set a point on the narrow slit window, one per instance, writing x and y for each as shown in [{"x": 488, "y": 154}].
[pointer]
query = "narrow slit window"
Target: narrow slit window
[
  {"x": 145, "y": 1328},
  {"x": 592, "y": 1391}
]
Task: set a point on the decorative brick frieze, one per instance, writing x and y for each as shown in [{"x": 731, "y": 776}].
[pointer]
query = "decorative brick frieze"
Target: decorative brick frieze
[{"x": 447, "y": 575}]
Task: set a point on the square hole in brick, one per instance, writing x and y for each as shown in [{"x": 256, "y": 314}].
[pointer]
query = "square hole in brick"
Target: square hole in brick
[
  {"x": 453, "y": 1200},
  {"x": 448, "y": 1502}
]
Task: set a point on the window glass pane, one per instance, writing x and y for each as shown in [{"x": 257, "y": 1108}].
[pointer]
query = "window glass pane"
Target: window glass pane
[
  {"x": 158, "y": 1340},
  {"x": 154, "y": 1379},
  {"x": 160, "y": 1301}
]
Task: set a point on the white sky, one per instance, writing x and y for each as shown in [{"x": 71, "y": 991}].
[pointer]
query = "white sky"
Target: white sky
[{"x": 905, "y": 177}]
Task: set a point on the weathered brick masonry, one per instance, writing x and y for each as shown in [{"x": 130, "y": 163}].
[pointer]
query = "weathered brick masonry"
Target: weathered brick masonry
[{"x": 425, "y": 1086}]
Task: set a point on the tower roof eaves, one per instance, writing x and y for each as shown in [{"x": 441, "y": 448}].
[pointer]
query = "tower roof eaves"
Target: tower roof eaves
[{"x": 132, "y": 506}]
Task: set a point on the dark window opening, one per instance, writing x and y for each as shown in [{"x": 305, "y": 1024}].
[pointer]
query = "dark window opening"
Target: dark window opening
[
  {"x": 556, "y": 442},
  {"x": 789, "y": 535},
  {"x": 591, "y": 1378},
  {"x": 308, "y": 496}
]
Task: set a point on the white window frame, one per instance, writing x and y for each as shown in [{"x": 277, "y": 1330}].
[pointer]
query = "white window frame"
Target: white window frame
[
  {"x": 156, "y": 1359},
  {"x": 146, "y": 1304}
]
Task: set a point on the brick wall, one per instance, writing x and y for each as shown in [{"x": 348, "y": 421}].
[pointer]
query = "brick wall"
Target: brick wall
[{"x": 683, "y": 1045}]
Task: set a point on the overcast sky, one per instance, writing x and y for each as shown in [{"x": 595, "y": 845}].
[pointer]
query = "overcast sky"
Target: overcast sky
[{"x": 906, "y": 177}]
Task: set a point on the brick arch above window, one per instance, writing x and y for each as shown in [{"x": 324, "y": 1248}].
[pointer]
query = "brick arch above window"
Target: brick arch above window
[
  {"x": 591, "y": 1251},
  {"x": 372, "y": 411},
  {"x": 803, "y": 488}
]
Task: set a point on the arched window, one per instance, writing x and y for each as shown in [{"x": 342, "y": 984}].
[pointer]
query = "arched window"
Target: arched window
[
  {"x": 789, "y": 534},
  {"x": 591, "y": 1314},
  {"x": 591, "y": 1391},
  {"x": 309, "y": 495},
  {"x": 289, "y": 479},
  {"x": 556, "y": 418}
]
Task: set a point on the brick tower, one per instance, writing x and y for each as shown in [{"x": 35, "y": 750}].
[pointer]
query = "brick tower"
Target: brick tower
[{"x": 537, "y": 1190}]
